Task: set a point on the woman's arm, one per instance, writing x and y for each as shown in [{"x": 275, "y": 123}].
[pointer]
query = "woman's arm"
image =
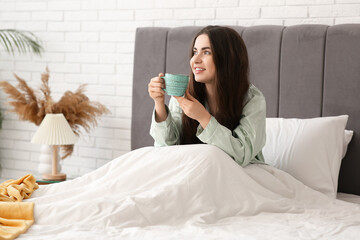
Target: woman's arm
[
  {"x": 167, "y": 132},
  {"x": 245, "y": 142}
]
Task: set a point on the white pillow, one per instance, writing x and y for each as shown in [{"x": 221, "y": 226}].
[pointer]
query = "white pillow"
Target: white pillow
[{"x": 311, "y": 150}]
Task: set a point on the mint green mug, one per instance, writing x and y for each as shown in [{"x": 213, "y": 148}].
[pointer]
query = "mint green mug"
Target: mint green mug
[{"x": 175, "y": 84}]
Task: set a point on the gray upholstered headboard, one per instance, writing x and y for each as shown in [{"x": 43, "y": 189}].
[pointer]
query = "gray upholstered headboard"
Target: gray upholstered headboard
[{"x": 304, "y": 71}]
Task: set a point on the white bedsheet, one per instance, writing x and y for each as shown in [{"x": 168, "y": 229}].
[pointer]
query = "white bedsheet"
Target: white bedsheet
[{"x": 188, "y": 192}]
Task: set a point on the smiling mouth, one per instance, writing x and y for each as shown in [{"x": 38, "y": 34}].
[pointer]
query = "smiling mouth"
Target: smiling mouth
[{"x": 198, "y": 70}]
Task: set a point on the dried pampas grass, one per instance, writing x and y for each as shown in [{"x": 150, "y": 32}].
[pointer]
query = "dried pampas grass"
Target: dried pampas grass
[{"x": 32, "y": 105}]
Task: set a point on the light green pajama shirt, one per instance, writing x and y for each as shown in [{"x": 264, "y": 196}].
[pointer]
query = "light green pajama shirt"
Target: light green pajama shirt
[{"x": 243, "y": 144}]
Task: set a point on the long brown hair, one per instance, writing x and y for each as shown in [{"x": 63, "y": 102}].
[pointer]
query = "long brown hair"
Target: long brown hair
[{"x": 231, "y": 80}]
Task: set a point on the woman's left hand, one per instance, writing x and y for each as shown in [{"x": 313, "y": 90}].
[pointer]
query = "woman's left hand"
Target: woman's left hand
[{"x": 194, "y": 109}]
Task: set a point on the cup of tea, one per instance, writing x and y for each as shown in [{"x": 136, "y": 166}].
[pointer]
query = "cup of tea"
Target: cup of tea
[{"x": 175, "y": 84}]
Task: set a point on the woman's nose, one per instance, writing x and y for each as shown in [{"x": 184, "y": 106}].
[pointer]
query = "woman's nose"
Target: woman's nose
[{"x": 197, "y": 58}]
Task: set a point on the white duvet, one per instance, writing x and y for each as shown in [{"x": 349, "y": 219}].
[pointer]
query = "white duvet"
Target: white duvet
[{"x": 188, "y": 192}]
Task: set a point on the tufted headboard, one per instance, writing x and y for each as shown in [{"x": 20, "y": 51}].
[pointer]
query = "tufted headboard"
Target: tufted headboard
[{"x": 304, "y": 71}]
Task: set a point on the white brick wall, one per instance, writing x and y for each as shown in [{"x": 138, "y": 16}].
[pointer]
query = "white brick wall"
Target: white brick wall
[{"x": 92, "y": 41}]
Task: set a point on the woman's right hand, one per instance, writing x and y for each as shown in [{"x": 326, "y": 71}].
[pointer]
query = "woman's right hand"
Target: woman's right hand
[
  {"x": 155, "y": 89},
  {"x": 156, "y": 92}
]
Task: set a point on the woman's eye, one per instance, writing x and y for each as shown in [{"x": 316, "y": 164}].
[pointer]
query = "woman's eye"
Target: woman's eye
[
  {"x": 207, "y": 53},
  {"x": 195, "y": 53}
]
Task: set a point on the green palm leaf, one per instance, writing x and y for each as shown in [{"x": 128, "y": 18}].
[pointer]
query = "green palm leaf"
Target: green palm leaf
[{"x": 19, "y": 41}]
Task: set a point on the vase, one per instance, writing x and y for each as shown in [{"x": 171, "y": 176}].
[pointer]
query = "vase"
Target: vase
[{"x": 45, "y": 159}]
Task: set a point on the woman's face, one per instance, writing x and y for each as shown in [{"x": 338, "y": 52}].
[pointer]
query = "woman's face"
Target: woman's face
[{"x": 202, "y": 62}]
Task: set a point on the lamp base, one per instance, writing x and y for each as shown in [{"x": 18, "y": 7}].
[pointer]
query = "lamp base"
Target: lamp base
[{"x": 54, "y": 177}]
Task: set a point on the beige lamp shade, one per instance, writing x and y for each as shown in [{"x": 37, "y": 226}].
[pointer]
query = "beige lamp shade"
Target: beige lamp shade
[{"x": 54, "y": 130}]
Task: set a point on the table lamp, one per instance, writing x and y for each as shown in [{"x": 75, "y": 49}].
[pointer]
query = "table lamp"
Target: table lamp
[{"x": 54, "y": 130}]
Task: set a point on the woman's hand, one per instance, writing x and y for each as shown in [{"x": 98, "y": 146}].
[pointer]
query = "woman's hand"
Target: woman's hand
[
  {"x": 156, "y": 92},
  {"x": 155, "y": 89},
  {"x": 194, "y": 109}
]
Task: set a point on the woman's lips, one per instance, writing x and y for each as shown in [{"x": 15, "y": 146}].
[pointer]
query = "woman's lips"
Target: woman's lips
[{"x": 198, "y": 70}]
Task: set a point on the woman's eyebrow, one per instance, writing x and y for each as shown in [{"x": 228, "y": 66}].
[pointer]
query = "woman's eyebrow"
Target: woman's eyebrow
[{"x": 202, "y": 48}]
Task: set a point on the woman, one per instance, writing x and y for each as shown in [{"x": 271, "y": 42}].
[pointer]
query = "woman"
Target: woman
[{"x": 220, "y": 106}]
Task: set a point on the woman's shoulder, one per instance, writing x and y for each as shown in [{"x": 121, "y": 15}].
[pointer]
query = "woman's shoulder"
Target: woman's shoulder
[
  {"x": 254, "y": 90},
  {"x": 253, "y": 93},
  {"x": 254, "y": 101}
]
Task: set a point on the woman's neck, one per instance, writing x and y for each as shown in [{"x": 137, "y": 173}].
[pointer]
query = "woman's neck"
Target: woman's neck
[{"x": 210, "y": 97}]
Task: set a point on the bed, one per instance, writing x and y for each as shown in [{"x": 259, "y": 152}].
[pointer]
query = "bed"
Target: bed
[{"x": 310, "y": 77}]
